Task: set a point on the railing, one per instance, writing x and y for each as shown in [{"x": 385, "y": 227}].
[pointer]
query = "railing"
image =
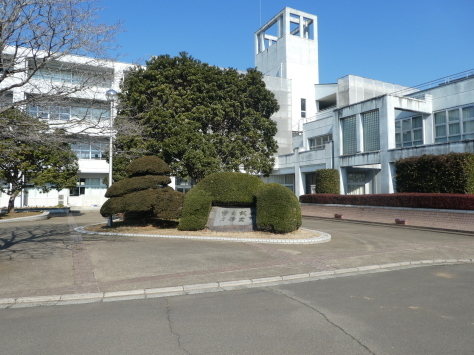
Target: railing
[
  {"x": 417, "y": 91},
  {"x": 320, "y": 115}
]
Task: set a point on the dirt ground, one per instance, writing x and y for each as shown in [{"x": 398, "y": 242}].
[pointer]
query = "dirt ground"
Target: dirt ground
[{"x": 151, "y": 229}]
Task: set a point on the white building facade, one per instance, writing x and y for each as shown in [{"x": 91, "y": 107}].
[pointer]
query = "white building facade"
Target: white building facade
[{"x": 357, "y": 125}]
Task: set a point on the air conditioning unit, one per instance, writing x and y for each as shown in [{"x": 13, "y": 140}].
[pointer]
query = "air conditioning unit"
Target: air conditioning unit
[{"x": 61, "y": 200}]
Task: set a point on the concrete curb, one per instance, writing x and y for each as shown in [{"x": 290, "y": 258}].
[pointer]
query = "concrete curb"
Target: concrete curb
[
  {"x": 68, "y": 299},
  {"x": 40, "y": 217},
  {"x": 323, "y": 238}
]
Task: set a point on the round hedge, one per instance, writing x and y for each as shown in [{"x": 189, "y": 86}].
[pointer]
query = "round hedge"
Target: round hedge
[
  {"x": 149, "y": 165},
  {"x": 278, "y": 209},
  {"x": 231, "y": 188},
  {"x": 137, "y": 183}
]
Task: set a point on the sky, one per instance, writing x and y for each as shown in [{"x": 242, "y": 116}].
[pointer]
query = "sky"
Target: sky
[{"x": 406, "y": 42}]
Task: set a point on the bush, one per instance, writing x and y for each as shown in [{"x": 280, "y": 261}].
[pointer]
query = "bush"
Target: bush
[
  {"x": 411, "y": 200},
  {"x": 218, "y": 189},
  {"x": 149, "y": 165},
  {"x": 278, "y": 209},
  {"x": 231, "y": 189},
  {"x": 197, "y": 205},
  {"x": 446, "y": 173},
  {"x": 327, "y": 181}
]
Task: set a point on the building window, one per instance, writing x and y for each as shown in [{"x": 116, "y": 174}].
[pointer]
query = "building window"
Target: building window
[
  {"x": 287, "y": 180},
  {"x": 65, "y": 113},
  {"x": 50, "y": 112},
  {"x": 409, "y": 132},
  {"x": 303, "y": 108},
  {"x": 454, "y": 124},
  {"x": 74, "y": 75},
  {"x": 319, "y": 142},
  {"x": 356, "y": 183},
  {"x": 349, "y": 137},
  {"x": 370, "y": 127},
  {"x": 88, "y": 186},
  {"x": 90, "y": 150},
  {"x": 184, "y": 185}
]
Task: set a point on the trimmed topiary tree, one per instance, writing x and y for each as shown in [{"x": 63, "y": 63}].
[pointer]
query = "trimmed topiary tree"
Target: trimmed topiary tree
[
  {"x": 218, "y": 189},
  {"x": 145, "y": 193},
  {"x": 327, "y": 181},
  {"x": 278, "y": 209}
]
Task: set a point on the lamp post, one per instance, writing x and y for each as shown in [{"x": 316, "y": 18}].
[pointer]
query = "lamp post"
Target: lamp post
[{"x": 111, "y": 96}]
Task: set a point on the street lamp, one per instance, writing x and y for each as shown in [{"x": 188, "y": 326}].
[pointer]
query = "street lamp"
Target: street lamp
[{"x": 111, "y": 96}]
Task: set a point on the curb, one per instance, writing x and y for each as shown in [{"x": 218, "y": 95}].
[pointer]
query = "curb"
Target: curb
[
  {"x": 68, "y": 299},
  {"x": 323, "y": 238},
  {"x": 40, "y": 217}
]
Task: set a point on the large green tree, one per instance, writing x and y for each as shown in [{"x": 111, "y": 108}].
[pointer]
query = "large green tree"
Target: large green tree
[
  {"x": 25, "y": 162},
  {"x": 199, "y": 118}
]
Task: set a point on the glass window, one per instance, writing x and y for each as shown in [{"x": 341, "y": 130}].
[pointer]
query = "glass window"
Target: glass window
[
  {"x": 319, "y": 142},
  {"x": 88, "y": 186},
  {"x": 349, "y": 139},
  {"x": 454, "y": 124},
  {"x": 90, "y": 150},
  {"x": 370, "y": 126},
  {"x": 409, "y": 132},
  {"x": 303, "y": 107}
]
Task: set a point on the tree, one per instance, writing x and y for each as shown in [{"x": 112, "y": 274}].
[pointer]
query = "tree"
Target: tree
[
  {"x": 199, "y": 118},
  {"x": 46, "y": 165},
  {"x": 47, "y": 39}
]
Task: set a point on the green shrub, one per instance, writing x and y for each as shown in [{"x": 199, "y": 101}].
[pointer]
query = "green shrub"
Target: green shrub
[
  {"x": 231, "y": 189},
  {"x": 278, "y": 209},
  {"x": 196, "y": 208},
  {"x": 445, "y": 173},
  {"x": 137, "y": 183},
  {"x": 218, "y": 189},
  {"x": 149, "y": 165},
  {"x": 327, "y": 181}
]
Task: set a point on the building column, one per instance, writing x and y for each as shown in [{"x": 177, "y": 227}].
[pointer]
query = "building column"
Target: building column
[
  {"x": 299, "y": 187},
  {"x": 359, "y": 134},
  {"x": 387, "y": 141}
]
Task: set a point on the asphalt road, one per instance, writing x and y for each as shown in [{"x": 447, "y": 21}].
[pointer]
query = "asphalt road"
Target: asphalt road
[{"x": 424, "y": 310}]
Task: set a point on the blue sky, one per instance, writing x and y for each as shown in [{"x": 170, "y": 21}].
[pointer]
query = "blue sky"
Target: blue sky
[{"x": 407, "y": 42}]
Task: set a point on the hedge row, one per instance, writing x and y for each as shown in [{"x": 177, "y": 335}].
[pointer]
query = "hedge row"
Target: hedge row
[
  {"x": 411, "y": 200},
  {"x": 446, "y": 173}
]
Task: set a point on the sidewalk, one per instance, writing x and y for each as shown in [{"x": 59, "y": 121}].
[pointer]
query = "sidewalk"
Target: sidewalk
[
  {"x": 451, "y": 220},
  {"x": 49, "y": 259}
]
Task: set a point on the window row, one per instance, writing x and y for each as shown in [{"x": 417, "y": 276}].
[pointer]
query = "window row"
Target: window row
[
  {"x": 88, "y": 186},
  {"x": 75, "y": 76},
  {"x": 319, "y": 142},
  {"x": 94, "y": 151},
  {"x": 65, "y": 113},
  {"x": 454, "y": 125}
]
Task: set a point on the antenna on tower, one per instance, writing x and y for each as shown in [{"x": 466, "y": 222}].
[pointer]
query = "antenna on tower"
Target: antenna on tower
[{"x": 260, "y": 13}]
